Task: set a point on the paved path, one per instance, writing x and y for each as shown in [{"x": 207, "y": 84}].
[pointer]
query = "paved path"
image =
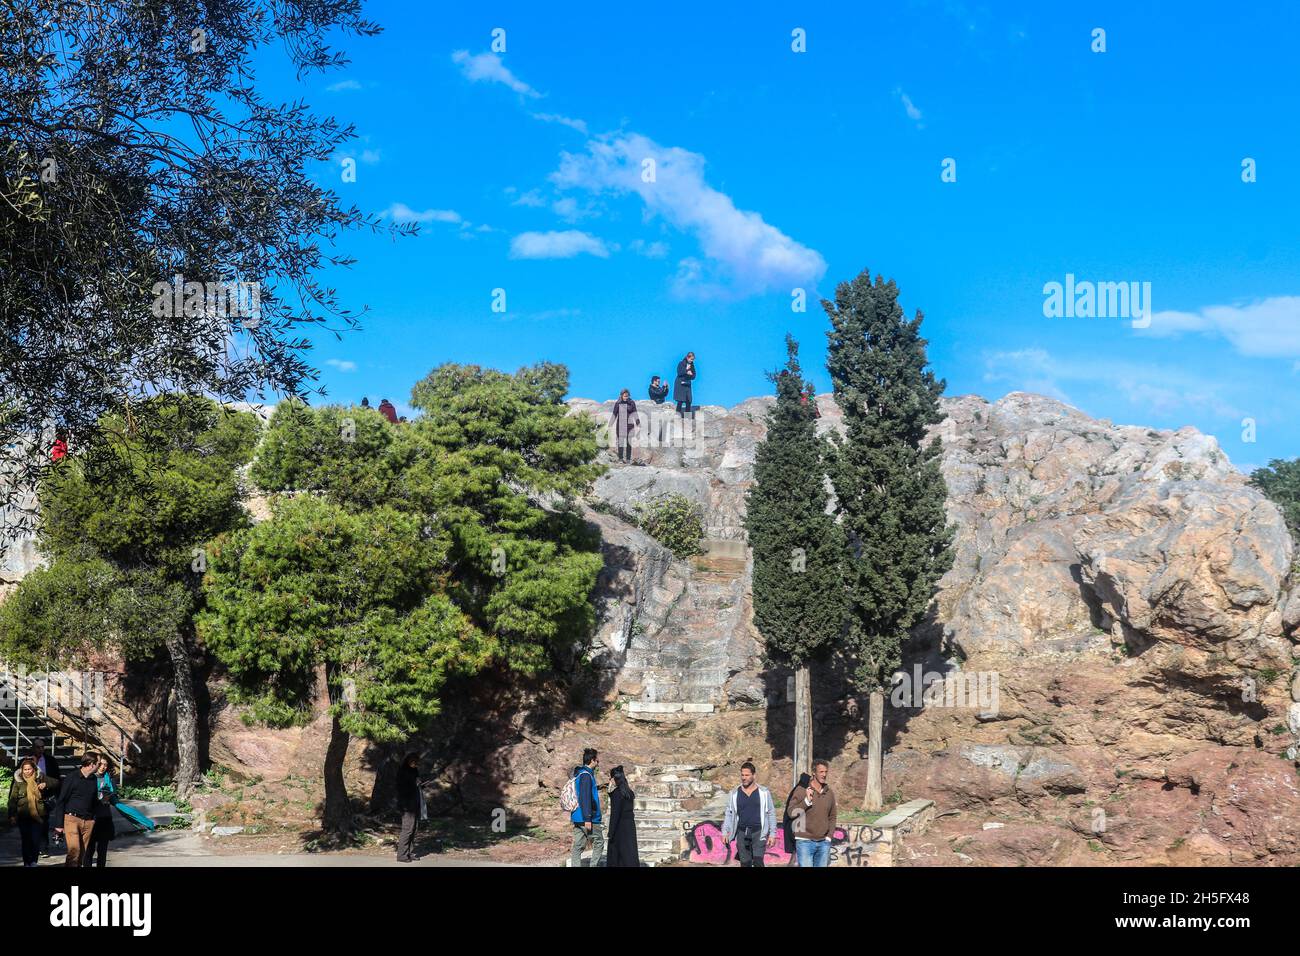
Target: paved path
[{"x": 187, "y": 848}]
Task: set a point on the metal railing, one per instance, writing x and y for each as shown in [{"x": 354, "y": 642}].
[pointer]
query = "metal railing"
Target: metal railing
[{"x": 20, "y": 689}]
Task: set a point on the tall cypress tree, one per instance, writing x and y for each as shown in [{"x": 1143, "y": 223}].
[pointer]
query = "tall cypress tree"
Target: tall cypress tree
[
  {"x": 798, "y": 548},
  {"x": 888, "y": 484}
]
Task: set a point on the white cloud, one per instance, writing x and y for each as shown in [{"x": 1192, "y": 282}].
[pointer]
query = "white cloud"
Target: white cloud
[
  {"x": 556, "y": 245},
  {"x": 913, "y": 113},
  {"x": 577, "y": 124},
  {"x": 1147, "y": 387},
  {"x": 651, "y": 250},
  {"x": 343, "y": 86},
  {"x": 488, "y": 66},
  {"x": 744, "y": 254},
  {"x": 404, "y": 213},
  {"x": 530, "y": 198},
  {"x": 1269, "y": 328},
  {"x": 342, "y": 365}
]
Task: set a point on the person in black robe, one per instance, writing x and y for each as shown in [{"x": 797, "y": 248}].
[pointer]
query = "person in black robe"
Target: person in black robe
[
  {"x": 787, "y": 827},
  {"x": 683, "y": 384},
  {"x": 620, "y": 842}
]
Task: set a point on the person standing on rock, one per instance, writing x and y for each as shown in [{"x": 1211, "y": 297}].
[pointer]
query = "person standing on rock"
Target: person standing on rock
[
  {"x": 812, "y": 809},
  {"x": 408, "y": 801},
  {"x": 658, "y": 390},
  {"x": 27, "y": 809},
  {"x": 103, "y": 831},
  {"x": 750, "y": 819},
  {"x": 684, "y": 384},
  {"x": 622, "y": 822},
  {"x": 588, "y": 825},
  {"x": 624, "y": 420},
  {"x": 387, "y": 409},
  {"x": 787, "y": 822}
]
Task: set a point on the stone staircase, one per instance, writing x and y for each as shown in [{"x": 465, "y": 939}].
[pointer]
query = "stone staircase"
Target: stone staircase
[
  {"x": 682, "y": 669},
  {"x": 667, "y": 797}
]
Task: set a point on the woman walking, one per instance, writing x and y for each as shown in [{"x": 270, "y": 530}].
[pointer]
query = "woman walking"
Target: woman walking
[
  {"x": 27, "y": 808},
  {"x": 682, "y": 386},
  {"x": 787, "y": 824},
  {"x": 621, "y": 844},
  {"x": 104, "y": 830},
  {"x": 624, "y": 420}
]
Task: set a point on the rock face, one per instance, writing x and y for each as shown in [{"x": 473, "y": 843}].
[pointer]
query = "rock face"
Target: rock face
[{"x": 1122, "y": 590}]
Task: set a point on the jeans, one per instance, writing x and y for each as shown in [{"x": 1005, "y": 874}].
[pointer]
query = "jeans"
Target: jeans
[
  {"x": 813, "y": 852},
  {"x": 580, "y": 840},
  {"x": 750, "y": 846},
  {"x": 32, "y": 832}
]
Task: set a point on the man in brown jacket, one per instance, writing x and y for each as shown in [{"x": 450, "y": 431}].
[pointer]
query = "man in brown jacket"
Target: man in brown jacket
[{"x": 812, "y": 818}]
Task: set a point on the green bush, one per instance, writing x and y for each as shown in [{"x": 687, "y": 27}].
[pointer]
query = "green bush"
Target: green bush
[{"x": 675, "y": 522}]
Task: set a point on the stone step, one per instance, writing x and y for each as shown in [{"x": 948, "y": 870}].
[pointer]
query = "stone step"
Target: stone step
[
  {"x": 658, "y": 805},
  {"x": 667, "y": 771},
  {"x": 652, "y": 823},
  {"x": 675, "y": 788},
  {"x": 670, "y": 709}
]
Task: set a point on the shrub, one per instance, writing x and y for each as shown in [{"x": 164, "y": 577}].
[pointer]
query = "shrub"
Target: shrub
[{"x": 675, "y": 522}]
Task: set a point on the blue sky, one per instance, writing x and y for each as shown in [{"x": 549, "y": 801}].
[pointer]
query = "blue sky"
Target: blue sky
[{"x": 777, "y": 169}]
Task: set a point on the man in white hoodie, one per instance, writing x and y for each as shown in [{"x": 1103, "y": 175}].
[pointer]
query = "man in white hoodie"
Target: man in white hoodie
[{"x": 750, "y": 819}]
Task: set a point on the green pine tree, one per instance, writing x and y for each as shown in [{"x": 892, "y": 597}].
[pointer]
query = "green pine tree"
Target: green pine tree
[
  {"x": 887, "y": 482},
  {"x": 1280, "y": 483},
  {"x": 798, "y": 548}
]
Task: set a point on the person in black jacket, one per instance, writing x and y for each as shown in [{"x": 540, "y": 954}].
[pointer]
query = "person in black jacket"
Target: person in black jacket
[
  {"x": 408, "y": 801},
  {"x": 96, "y": 850},
  {"x": 48, "y": 766},
  {"x": 620, "y": 844},
  {"x": 682, "y": 386},
  {"x": 787, "y": 823},
  {"x": 78, "y": 803},
  {"x": 658, "y": 390},
  {"x": 624, "y": 420}
]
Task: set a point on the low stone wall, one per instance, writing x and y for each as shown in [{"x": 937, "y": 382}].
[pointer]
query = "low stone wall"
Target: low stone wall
[{"x": 867, "y": 844}]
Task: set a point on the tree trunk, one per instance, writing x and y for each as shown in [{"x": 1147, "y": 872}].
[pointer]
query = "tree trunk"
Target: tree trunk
[
  {"x": 188, "y": 775},
  {"x": 803, "y": 720},
  {"x": 338, "y": 808},
  {"x": 875, "y": 736}
]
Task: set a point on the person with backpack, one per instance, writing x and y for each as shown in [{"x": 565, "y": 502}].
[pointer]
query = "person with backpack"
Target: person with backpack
[
  {"x": 622, "y": 822},
  {"x": 787, "y": 818},
  {"x": 750, "y": 819},
  {"x": 581, "y": 798}
]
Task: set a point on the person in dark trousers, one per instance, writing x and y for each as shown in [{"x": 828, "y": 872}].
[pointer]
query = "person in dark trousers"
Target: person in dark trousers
[
  {"x": 658, "y": 390},
  {"x": 388, "y": 411},
  {"x": 78, "y": 803},
  {"x": 408, "y": 801},
  {"x": 787, "y": 821},
  {"x": 622, "y": 822},
  {"x": 49, "y": 769},
  {"x": 683, "y": 385},
  {"x": 96, "y": 853},
  {"x": 750, "y": 819},
  {"x": 588, "y": 825},
  {"x": 27, "y": 808},
  {"x": 624, "y": 420}
]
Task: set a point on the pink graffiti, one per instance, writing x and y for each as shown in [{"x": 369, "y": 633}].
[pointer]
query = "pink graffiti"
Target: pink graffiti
[{"x": 706, "y": 846}]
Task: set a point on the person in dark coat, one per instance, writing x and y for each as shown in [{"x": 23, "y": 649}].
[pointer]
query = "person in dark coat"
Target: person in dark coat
[
  {"x": 27, "y": 808},
  {"x": 787, "y": 827},
  {"x": 658, "y": 390},
  {"x": 624, "y": 420},
  {"x": 408, "y": 801},
  {"x": 102, "y": 833},
  {"x": 621, "y": 843},
  {"x": 682, "y": 386}
]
